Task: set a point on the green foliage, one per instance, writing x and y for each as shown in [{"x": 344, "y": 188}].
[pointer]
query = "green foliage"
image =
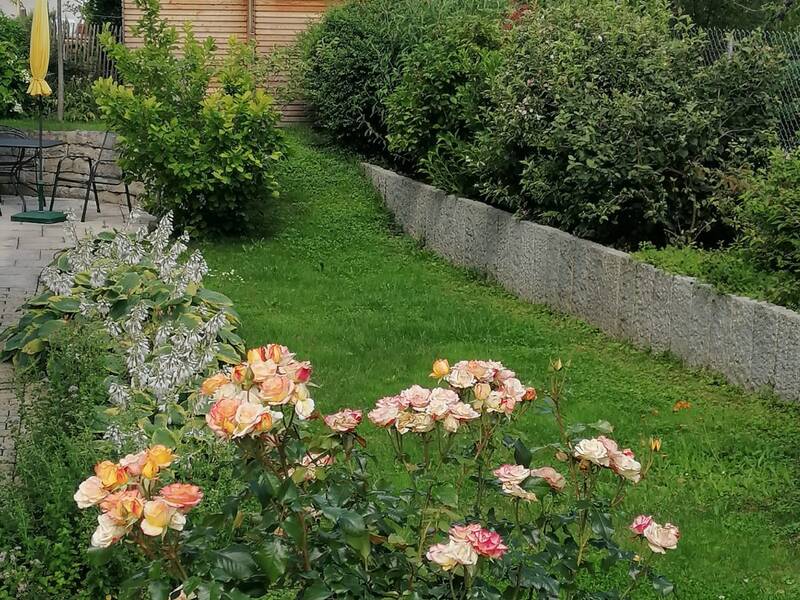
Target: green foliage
[
  {"x": 13, "y": 54},
  {"x": 352, "y": 56},
  {"x": 741, "y": 14},
  {"x": 97, "y": 283},
  {"x": 102, "y": 11},
  {"x": 41, "y": 529},
  {"x": 615, "y": 129},
  {"x": 206, "y": 156},
  {"x": 440, "y": 102},
  {"x": 770, "y": 216}
]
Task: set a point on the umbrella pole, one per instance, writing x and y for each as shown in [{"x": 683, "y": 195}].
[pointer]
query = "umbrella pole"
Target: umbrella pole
[{"x": 40, "y": 165}]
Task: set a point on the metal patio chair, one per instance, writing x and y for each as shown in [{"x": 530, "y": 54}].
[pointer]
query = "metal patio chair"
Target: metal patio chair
[
  {"x": 11, "y": 165},
  {"x": 92, "y": 177}
]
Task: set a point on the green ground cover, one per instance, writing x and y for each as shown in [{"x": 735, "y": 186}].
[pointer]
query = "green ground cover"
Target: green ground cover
[
  {"x": 333, "y": 279},
  {"x": 729, "y": 270}
]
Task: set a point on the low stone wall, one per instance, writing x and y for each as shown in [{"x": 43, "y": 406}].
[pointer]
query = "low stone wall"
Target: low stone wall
[
  {"x": 753, "y": 344},
  {"x": 78, "y": 143}
]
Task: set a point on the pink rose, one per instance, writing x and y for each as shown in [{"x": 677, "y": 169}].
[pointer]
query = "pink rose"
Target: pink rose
[
  {"x": 514, "y": 474},
  {"x": 344, "y": 420},
  {"x": 553, "y": 478},
  {"x": 439, "y": 403},
  {"x": 416, "y": 396},
  {"x": 384, "y": 416},
  {"x": 640, "y": 523},
  {"x": 183, "y": 496},
  {"x": 662, "y": 538},
  {"x": 221, "y": 417},
  {"x": 488, "y": 543},
  {"x": 461, "y": 533}
]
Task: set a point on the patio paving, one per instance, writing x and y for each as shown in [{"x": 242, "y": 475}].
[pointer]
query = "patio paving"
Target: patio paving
[{"x": 25, "y": 249}]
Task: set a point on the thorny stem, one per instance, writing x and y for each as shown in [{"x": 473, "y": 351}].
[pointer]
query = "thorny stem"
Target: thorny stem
[{"x": 304, "y": 544}]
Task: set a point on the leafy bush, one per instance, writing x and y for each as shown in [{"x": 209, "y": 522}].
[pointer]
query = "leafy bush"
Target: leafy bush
[
  {"x": 608, "y": 123},
  {"x": 440, "y": 101},
  {"x": 39, "y": 523},
  {"x": 351, "y": 60},
  {"x": 12, "y": 66},
  {"x": 770, "y": 215},
  {"x": 206, "y": 156}
]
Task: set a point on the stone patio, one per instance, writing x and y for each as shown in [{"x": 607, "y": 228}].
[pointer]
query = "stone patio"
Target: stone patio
[{"x": 25, "y": 249}]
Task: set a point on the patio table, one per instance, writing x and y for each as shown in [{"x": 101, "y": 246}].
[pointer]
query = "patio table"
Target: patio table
[{"x": 23, "y": 144}]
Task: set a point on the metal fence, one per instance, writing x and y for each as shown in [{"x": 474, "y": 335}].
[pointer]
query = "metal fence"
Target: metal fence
[{"x": 722, "y": 43}]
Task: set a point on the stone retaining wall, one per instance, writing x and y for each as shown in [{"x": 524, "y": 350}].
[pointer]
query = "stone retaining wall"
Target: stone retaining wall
[
  {"x": 753, "y": 344},
  {"x": 78, "y": 143}
]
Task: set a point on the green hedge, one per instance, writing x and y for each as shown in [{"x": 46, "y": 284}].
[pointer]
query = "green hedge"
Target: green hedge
[{"x": 599, "y": 117}]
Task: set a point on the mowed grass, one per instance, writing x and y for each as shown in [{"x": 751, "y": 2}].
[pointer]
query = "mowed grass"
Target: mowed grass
[{"x": 334, "y": 280}]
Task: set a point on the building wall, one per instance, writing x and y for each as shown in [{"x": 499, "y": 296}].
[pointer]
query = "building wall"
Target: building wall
[{"x": 273, "y": 23}]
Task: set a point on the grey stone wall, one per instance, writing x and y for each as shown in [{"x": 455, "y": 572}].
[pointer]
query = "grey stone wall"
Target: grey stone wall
[
  {"x": 78, "y": 143},
  {"x": 753, "y": 344}
]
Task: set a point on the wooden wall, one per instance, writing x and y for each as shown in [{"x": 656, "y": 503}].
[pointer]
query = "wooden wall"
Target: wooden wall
[{"x": 273, "y": 23}]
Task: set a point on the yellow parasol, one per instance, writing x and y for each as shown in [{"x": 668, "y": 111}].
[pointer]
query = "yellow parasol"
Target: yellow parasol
[
  {"x": 40, "y": 50},
  {"x": 40, "y": 59}
]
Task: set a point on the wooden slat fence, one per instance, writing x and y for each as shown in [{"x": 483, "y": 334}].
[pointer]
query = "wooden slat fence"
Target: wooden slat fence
[{"x": 82, "y": 47}]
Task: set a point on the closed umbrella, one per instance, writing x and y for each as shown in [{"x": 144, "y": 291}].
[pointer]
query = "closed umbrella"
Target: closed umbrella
[{"x": 38, "y": 88}]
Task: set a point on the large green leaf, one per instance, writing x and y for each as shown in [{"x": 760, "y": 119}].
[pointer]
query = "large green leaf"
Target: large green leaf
[
  {"x": 234, "y": 563},
  {"x": 273, "y": 559}
]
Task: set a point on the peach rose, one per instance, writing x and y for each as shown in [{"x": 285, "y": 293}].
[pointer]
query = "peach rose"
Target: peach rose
[
  {"x": 460, "y": 377},
  {"x": 482, "y": 391},
  {"x": 276, "y": 389},
  {"x": 257, "y": 355},
  {"x": 440, "y": 368},
  {"x": 417, "y": 397},
  {"x": 640, "y": 523},
  {"x": 247, "y": 416},
  {"x": 459, "y": 413},
  {"x": 303, "y": 403},
  {"x": 662, "y": 538},
  {"x": 626, "y": 467},
  {"x": 553, "y": 478},
  {"x": 183, "y": 496},
  {"x": 213, "y": 383},
  {"x": 111, "y": 474},
  {"x": 514, "y": 474},
  {"x": 462, "y": 533},
  {"x": 263, "y": 370},
  {"x": 134, "y": 463},
  {"x": 594, "y": 451},
  {"x": 439, "y": 403},
  {"x": 344, "y": 420},
  {"x": 160, "y": 516},
  {"x": 452, "y": 554},
  {"x": 124, "y": 508},
  {"x": 239, "y": 374},
  {"x": 298, "y": 371},
  {"x": 220, "y": 417},
  {"x": 90, "y": 492},
  {"x": 515, "y": 490},
  {"x": 512, "y": 388},
  {"x": 416, "y": 422},
  {"x": 384, "y": 416},
  {"x": 107, "y": 533}
]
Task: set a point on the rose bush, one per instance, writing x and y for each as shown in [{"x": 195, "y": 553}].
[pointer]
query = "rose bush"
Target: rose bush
[{"x": 314, "y": 518}]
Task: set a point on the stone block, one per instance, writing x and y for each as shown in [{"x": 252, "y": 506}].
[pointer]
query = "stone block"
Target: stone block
[
  {"x": 595, "y": 284},
  {"x": 514, "y": 261},
  {"x": 660, "y": 312},
  {"x": 635, "y": 301},
  {"x": 787, "y": 356},
  {"x": 766, "y": 329},
  {"x": 681, "y": 341}
]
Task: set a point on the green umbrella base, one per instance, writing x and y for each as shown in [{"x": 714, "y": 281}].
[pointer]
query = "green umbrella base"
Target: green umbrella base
[{"x": 43, "y": 217}]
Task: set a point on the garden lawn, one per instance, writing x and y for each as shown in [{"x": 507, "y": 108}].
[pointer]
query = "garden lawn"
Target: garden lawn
[{"x": 334, "y": 280}]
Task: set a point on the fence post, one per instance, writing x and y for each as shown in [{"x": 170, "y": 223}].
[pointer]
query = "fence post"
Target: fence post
[
  {"x": 730, "y": 45},
  {"x": 60, "y": 37}
]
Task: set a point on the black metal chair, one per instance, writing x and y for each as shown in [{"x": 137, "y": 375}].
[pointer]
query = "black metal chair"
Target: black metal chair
[
  {"x": 11, "y": 165},
  {"x": 93, "y": 177}
]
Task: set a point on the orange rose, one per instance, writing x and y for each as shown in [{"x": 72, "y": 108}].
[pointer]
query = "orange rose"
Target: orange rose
[
  {"x": 158, "y": 457},
  {"x": 221, "y": 417},
  {"x": 239, "y": 374},
  {"x": 111, "y": 474},
  {"x": 257, "y": 355},
  {"x": 213, "y": 383},
  {"x": 124, "y": 508},
  {"x": 276, "y": 389}
]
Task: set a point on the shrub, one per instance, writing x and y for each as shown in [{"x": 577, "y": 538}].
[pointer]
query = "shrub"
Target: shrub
[
  {"x": 207, "y": 157},
  {"x": 608, "y": 123},
  {"x": 440, "y": 101},
  {"x": 351, "y": 60},
  {"x": 770, "y": 215},
  {"x": 313, "y": 518},
  {"x": 12, "y": 66}
]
